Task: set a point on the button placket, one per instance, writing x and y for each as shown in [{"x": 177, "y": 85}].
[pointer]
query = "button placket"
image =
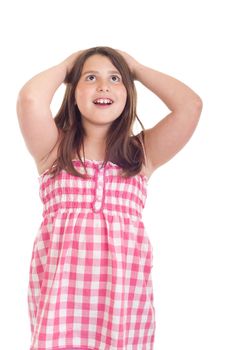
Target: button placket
[{"x": 99, "y": 190}]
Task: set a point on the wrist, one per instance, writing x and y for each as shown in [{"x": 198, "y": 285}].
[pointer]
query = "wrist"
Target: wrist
[
  {"x": 138, "y": 68},
  {"x": 70, "y": 60}
]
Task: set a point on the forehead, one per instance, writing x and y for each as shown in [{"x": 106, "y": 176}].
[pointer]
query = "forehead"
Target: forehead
[{"x": 98, "y": 62}]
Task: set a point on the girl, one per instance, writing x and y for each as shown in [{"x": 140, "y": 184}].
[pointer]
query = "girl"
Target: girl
[{"x": 90, "y": 283}]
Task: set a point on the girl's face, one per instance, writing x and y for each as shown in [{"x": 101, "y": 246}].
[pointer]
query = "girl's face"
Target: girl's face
[{"x": 100, "y": 93}]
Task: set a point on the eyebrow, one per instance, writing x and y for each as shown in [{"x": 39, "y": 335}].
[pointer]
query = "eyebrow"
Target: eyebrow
[{"x": 97, "y": 72}]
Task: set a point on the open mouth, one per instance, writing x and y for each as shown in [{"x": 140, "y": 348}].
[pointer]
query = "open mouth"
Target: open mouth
[{"x": 103, "y": 102}]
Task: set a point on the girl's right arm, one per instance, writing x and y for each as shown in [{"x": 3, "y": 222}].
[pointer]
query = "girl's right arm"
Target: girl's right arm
[{"x": 33, "y": 109}]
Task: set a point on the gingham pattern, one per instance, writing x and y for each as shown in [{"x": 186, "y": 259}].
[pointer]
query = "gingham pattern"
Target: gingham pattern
[{"x": 90, "y": 280}]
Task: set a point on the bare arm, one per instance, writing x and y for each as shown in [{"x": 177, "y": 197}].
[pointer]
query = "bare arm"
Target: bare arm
[
  {"x": 33, "y": 108},
  {"x": 170, "y": 135}
]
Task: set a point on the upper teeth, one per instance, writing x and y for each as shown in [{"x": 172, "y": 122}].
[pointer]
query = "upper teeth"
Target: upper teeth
[{"x": 103, "y": 100}]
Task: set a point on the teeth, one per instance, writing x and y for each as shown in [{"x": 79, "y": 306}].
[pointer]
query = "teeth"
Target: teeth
[{"x": 103, "y": 101}]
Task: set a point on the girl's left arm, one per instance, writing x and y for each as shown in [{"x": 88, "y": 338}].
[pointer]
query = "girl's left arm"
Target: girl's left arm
[{"x": 168, "y": 136}]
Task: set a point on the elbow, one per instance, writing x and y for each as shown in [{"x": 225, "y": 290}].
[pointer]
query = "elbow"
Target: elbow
[
  {"x": 25, "y": 97},
  {"x": 195, "y": 107},
  {"x": 198, "y": 104},
  {"x": 25, "y": 103},
  {"x": 198, "y": 107}
]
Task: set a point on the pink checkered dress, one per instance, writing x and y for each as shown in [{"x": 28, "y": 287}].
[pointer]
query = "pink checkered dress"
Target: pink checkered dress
[{"x": 90, "y": 283}]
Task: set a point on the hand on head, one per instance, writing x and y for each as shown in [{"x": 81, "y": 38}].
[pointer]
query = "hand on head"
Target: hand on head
[{"x": 131, "y": 62}]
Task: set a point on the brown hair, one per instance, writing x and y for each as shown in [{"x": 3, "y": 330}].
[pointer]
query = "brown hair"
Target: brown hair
[{"x": 122, "y": 146}]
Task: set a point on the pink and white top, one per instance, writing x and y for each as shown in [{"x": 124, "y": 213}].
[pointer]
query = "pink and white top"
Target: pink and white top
[{"x": 90, "y": 284}]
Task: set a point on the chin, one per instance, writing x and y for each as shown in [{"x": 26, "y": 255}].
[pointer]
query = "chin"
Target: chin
[{"x": 99, "y": 120}]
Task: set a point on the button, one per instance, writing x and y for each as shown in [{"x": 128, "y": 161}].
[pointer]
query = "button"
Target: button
[
  {"x": 97, "y": 205},
  {"x": 99, "y": 194}
]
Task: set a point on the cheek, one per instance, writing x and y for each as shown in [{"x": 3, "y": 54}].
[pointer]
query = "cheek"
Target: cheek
[
  {"x": 123, "y": 99},
  {"x": 81, "y": 98}
]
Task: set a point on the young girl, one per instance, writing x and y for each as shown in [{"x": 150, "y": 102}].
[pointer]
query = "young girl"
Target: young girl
[{"x": 90, "y": 283}]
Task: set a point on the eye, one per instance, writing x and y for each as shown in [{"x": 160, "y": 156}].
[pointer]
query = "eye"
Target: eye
[
  {"x": 90, "y": 77},
  {"x": 115, "y": 78}
]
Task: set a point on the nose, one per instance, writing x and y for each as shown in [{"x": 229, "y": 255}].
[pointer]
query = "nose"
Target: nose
[{"x": 103, "y": 86}]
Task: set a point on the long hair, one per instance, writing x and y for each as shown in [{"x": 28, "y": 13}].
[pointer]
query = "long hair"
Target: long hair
[{"x": 122, "y": 146}]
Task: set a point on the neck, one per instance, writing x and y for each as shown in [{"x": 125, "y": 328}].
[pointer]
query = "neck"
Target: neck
[{"x": 95, "y": 142}]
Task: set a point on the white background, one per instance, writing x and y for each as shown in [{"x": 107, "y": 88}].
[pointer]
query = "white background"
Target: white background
[{"x": 188, "y": 213}]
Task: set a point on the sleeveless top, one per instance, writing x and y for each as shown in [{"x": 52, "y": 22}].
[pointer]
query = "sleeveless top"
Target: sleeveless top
[{"x": 90, "y": 284}]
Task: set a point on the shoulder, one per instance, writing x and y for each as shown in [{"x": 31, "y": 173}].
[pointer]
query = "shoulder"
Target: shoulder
[
  {"x": 147, "y": 168},
  {"x": 46, "y": 162}
]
